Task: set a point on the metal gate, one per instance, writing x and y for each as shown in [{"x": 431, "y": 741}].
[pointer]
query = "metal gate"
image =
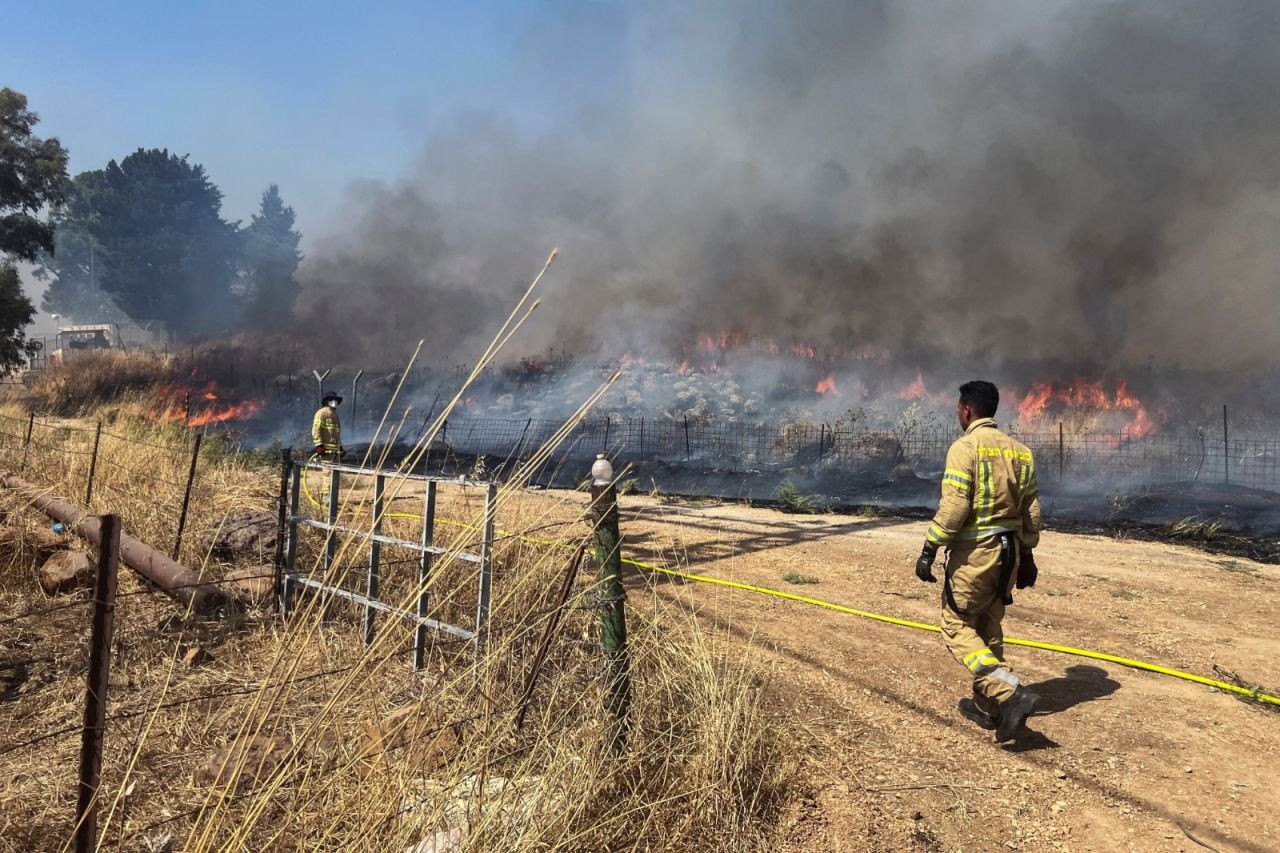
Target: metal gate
[{"x": 291, "y": 580}]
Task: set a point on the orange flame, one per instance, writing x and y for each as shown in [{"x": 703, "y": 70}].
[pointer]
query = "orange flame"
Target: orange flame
[
  {"x": 828, "y": 386},
  {"x": 220, "y": 414},
  {"x": 917, "y": 391},
  {"x": 200, "y": 406},
  {"x": 1084, "y": 394}
]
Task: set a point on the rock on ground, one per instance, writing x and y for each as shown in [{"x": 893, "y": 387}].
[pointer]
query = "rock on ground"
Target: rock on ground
[
  {"x": 410, "y": 735},
  {"x": 504, "y": 800},
  {"x": 247, "y": 533},
  {"x": 255, "y": 585},
  {"x": 244, "y": 763},
  {"x": 444, "y": 841},
  {"x": 67, "y": 571}
]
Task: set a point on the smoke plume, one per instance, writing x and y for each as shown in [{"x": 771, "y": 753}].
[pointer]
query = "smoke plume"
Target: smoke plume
[{"x": 1091, "y": 183}]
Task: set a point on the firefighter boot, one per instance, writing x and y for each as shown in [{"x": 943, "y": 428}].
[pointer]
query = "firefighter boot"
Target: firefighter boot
[
  {"x": 1014, "y": 712},
  {"x": 981, "y": 710}
]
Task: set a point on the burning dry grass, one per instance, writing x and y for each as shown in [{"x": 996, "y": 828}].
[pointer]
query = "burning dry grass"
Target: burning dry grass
[
  {"x": 191, "y": 385},
  {"x": 276, "y": 733},
  {"x": 141, "y": 471}
]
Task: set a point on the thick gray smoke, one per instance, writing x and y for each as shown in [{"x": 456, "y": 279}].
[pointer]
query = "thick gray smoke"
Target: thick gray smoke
[{"x": 1093, "y": 183}]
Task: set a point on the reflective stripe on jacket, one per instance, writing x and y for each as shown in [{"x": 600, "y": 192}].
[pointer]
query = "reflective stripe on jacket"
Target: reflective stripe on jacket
[{"x": 988, "y": 487}]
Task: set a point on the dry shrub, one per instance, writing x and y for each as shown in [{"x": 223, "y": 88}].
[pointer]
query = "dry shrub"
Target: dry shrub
[
  {"x": 86, "y": 380},
  {"x": 801, "y": 437}
]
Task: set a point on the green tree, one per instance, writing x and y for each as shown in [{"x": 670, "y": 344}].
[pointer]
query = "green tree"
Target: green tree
[
  {"x": 33, "y": 173},
  {"x": 162, "y": 250},
  {"x": 73, "y": 270},
  {"x": 271, "y": 260}
]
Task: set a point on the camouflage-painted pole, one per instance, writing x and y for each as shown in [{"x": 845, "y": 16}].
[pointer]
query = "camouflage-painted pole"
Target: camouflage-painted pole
[{"x": 613, "y": 618}]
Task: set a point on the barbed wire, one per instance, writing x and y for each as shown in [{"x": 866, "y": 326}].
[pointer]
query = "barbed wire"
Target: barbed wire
[
  {"x": 172, "y": 448},
  {"x": 142, "y": 476},
  {"x": 44, "y": 611},
  {"x": 243, "y": 690},
  {"x": 57, "y": 448}
]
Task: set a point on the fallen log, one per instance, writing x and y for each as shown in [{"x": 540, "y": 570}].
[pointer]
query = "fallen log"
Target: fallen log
[{"x": 172, "y": 578}]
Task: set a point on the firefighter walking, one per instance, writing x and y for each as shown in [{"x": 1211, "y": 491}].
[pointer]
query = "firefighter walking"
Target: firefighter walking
[
  {"x": 326, "y": 429},
  {"x": 989, "y": 521}
]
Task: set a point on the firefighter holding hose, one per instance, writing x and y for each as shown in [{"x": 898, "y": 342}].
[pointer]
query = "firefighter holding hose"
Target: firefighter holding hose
[
  {"x": 989, "y": 521},
  {"x": 326, "y": 429}
]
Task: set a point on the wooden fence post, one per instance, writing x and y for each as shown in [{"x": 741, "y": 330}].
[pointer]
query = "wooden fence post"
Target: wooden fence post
[{"x": 95, "y": 697}]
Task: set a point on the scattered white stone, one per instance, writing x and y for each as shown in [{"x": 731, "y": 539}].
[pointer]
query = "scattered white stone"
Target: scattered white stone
[{"x": 444, "y": 841}]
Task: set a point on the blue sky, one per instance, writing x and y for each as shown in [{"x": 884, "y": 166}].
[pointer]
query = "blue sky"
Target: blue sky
[{"x": 306, "y": 95}]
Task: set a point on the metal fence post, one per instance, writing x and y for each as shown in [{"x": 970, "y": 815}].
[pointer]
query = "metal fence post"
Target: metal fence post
[
  {"x": 1061, "y": 450},
  {"x": 375, "y": 553},
  {"x": 320, "y": 377},
  {"x": 486, "y": 570},
  {"x": 688, "y": 452},
  {"x": 520, "y": 444},
  {"x": 355, "y": 390},
  {"x": 186, "y": 496},
  {"x": 95, "y": 697},
  {"x": 613, "y": 618},
  {"x": 331, "y": 541},
  {"x": 1226, "y": 448},
  {"x": 424, "y": 573},
  {"x": 282, "y": 527},
  {"x": 291, "y": 551},
  {"x": 544, "y": 645},
  {"x": 93, "y": 465},
  {"x": 26, "y": 443}
]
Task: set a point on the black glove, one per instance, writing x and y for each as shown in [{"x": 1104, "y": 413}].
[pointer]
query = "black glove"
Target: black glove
[
  {"x": 319, "y": 450},
  {"x": 1027, "y": 569},
  {"x": 924, "y": 563}
]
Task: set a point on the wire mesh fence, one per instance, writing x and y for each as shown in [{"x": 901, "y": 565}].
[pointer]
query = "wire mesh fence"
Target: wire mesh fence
[{"x": 1199, "y": 457}]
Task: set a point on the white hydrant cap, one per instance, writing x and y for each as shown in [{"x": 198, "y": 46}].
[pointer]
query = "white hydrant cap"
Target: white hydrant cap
[{"x": 601, "y": 471}]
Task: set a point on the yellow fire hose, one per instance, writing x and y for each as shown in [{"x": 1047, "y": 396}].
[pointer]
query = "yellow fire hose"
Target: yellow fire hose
[{"x": 1254, "y": 694}]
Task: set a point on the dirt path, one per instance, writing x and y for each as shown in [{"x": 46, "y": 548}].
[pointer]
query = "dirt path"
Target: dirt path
[{"x": 1120, "y": 759}]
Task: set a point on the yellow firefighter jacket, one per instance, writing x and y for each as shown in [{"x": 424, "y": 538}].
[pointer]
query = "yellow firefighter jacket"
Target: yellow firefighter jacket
[
  {"x": 988, "y": 488},
  {"x": 326, "y": 431}
]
